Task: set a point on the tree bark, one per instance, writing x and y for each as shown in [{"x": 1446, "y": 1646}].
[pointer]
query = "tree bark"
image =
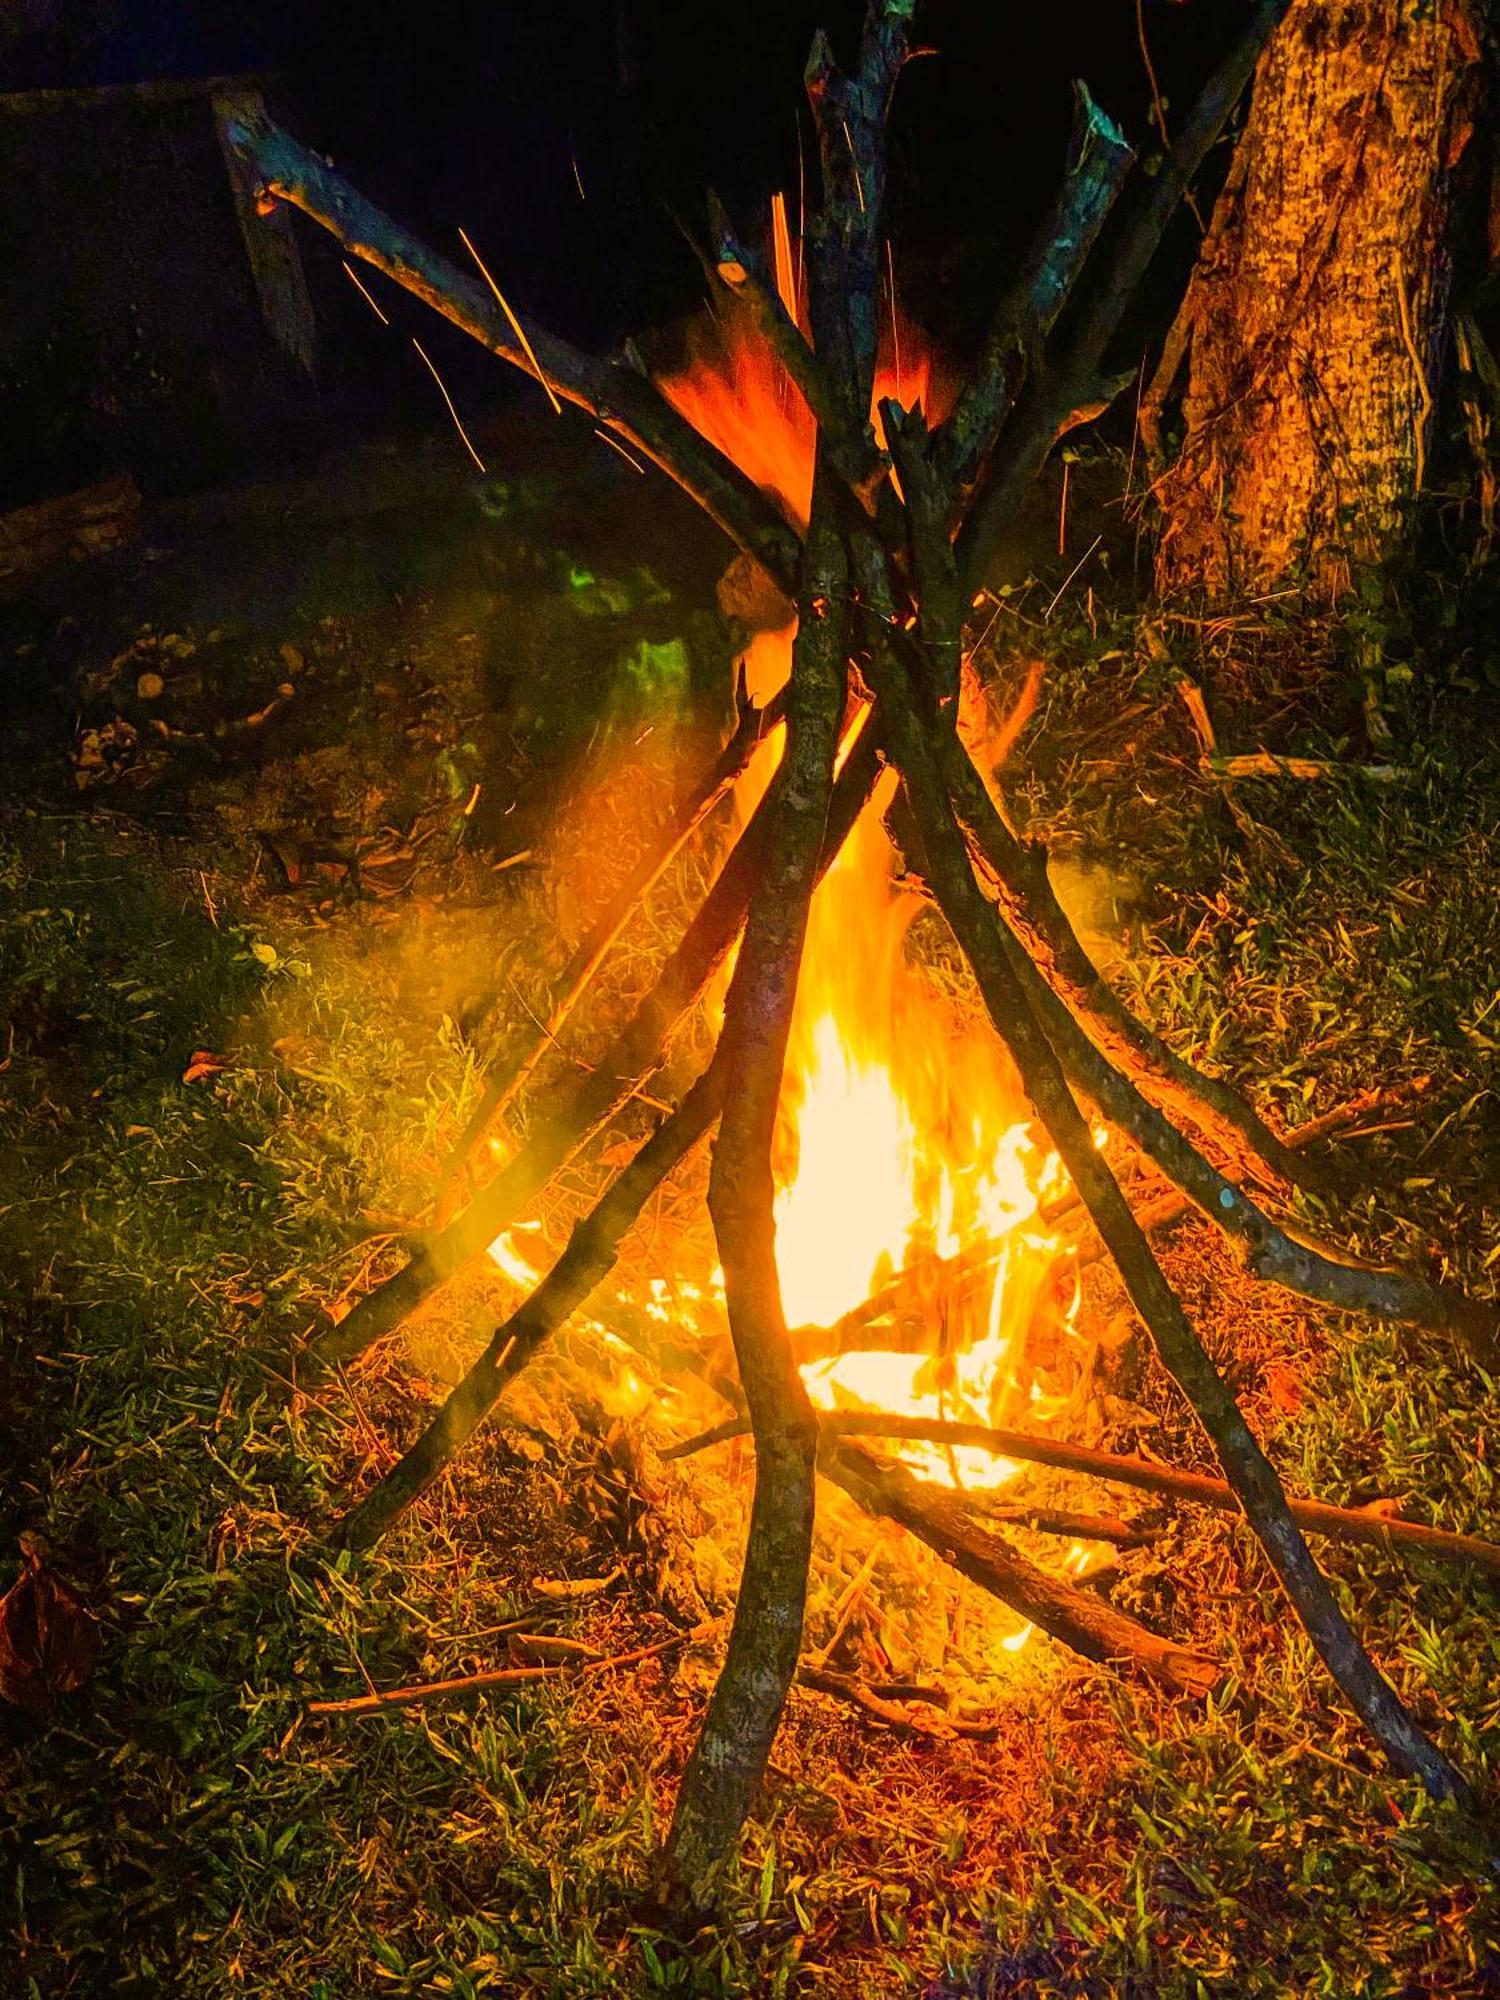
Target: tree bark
[
  {"x": 744, "y": 1712},
  {"x": 1316, "y": 320}
]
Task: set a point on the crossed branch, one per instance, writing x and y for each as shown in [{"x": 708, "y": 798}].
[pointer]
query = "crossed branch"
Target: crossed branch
[{"x": 880, "y": 580}]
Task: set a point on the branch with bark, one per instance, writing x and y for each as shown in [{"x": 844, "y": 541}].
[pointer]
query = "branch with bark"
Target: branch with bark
[
  {"x": 1364, "y": 1526},
  {"x": 881, "y": 585}
]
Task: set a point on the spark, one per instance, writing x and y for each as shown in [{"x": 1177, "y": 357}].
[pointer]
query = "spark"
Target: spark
[
  {"x": 890, "y": 265},
  {"x": 629, "y": 457},
  {"x": 1070, "y": 576},
  {"x": 859, "y": 186},
  {"x": 577, "y": 177},
  {"x": 520, "y": 331},
  {"x": 457, "y": 420},
  {"x": 781, "y": 243},
  {"x": 365, "y": 293}
]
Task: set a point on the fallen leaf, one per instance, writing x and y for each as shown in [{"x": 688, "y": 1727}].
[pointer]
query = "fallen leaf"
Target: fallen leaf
[
  {"x": 1284, "y": 1387},
  {"x": 291, "y": 657},
  {"x": 204, "y": 1063},
  {"x": 546, "y": 1648},
  {"x": 49, "y": 1642},
  {"x": 570, "y": 1586}
]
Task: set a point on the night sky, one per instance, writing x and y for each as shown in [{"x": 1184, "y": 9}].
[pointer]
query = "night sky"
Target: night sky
[{"x": 477, "y": 110}]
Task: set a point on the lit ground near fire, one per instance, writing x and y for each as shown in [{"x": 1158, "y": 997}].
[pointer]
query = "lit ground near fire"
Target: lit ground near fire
[{"x": 253, "y": 966}]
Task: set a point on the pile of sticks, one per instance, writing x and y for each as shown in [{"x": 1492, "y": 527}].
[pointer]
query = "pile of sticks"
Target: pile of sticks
[{"x": 897, "y": 542}]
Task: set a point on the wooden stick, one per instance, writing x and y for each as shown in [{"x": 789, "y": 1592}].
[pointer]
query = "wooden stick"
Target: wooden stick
[
  {"x": 1267, "y": 764},
  {"x": 580, "y": 1109},
  {"x": 1090, "y": 1625},
  {"x": 467, "y": 1684},
  {"x": 1012, "y": 990},
  {"x": 1297, "y": 1263},
  {"x": 1099, "y": 159},
  {"x": 511, "y": 1074},
  {"x": 744, "y": 1712},
  {"x": 590, "y": 1255},
  {"x": 895, "y": 1712},
  {"x": 612, "y": 393},
  {"x": 1017, "y": 875},
  {"x": 1147, "y": 1475}
]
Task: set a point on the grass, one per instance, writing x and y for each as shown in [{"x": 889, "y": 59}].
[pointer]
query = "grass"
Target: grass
[{"x": 178, "y": 1826}]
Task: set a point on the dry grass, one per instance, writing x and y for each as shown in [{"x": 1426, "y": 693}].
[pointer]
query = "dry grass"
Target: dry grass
[{"x": 180, "y": 1827}]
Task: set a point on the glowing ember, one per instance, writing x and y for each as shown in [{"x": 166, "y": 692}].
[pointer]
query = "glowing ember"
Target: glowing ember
[{"x": 902, "y": 1144}]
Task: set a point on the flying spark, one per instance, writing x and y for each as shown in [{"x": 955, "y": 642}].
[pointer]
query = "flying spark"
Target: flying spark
[
  {"x": 457, "y": 420},
  {"x": 520, "y": 331},
  {"x": 365, "y": 293}
]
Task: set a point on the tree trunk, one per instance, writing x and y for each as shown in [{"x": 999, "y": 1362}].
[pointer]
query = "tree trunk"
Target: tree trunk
[{"x": 1316, "y": 320}]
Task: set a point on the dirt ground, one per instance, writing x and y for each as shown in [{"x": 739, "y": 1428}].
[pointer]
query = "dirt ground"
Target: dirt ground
[{"x": 305, "y": 802}]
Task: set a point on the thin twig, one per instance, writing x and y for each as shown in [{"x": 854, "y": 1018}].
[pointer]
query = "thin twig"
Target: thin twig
[
  {"x": 467, "y": 1684},
  {"x": 1148, "y": 1475}
]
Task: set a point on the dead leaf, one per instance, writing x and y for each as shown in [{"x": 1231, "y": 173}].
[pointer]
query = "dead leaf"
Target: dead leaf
[
  {"x": 546, "y": 1648},
  {"x": 1284, "y": 1387},
  {"x": 291, "y": 657},
  {"x": 49, "y": 1642},
  {"x": 571, "y": 1586},
  {"x": 204, "y": 1063}
]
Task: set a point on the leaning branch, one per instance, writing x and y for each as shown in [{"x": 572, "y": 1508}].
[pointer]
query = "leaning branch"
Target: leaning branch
[
  {"x": 581, "y": 1110},
  {"x": 1099, "y": 160},
  {"x": 760, "y": 1662},
  {"x": 1017, "y": 874},
  {"x": 590, "y": 1255},
  {"x": 613, "y": 393},
  {"x": 1008, "y": 1000},
  {"x": 510, "y": 1075},
  {"x": 1360, "y": 1525}
]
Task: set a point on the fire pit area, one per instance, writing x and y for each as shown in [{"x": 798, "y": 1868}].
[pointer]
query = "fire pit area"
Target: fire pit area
[{"x": 734, "y": 1273}]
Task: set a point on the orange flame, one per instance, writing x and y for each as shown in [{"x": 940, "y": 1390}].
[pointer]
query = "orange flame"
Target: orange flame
[{"x": 902, "y": 1137}]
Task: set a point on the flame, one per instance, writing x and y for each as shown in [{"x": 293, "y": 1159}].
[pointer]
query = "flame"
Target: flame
[
  {"x": 903, "y": 1138},
  {"x": 903, "y": 1142}
]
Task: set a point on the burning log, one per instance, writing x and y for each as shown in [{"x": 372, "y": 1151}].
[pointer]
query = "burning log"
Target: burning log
[
  {"x": 1090, "y": 1625},
  {"x": 882, "y": 581},
  {"x": 1362, "y": 1525}
]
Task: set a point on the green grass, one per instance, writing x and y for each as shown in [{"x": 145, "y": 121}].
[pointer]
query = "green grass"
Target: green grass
[{"x": 178, "y": 1826}]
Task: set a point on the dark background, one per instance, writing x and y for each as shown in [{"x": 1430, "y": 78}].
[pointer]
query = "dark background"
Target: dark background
[{"x": 129, "y": 337}]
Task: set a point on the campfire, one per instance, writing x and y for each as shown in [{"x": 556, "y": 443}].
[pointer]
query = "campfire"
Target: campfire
[
  {"x": 904, "y": 1143},
  {"x": 881, "y": 1173}
]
